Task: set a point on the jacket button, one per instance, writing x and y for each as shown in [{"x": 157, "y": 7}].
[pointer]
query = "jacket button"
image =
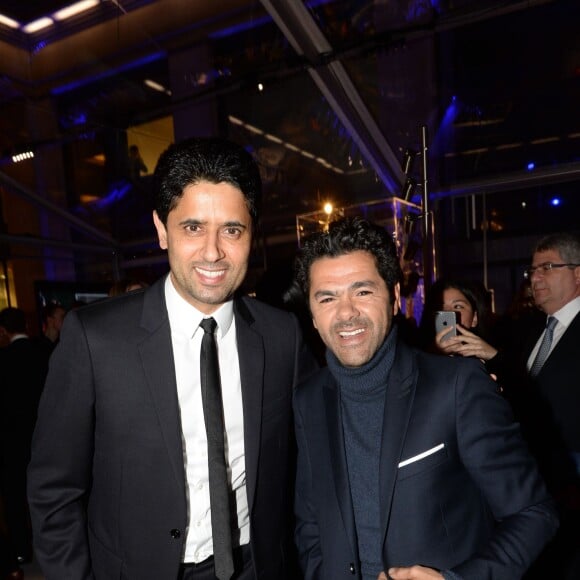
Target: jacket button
[
  {"x": 352, "y": 568},
  {"x": 175, "y": 533}
]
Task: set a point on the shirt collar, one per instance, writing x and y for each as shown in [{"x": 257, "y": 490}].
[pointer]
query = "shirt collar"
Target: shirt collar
[
  {"x": 568, "y": 312},
  {"x": 185, "y": 318}
]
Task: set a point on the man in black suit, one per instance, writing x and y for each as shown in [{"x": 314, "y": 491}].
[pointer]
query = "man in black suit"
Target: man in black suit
[
  {"x": 544, "y": 388},
  {"x": 23, "y": 366},
  {"x": 119, "y": 477},
  {"x": 408, "y": 463},
  {"x": 52, "y": 318}
]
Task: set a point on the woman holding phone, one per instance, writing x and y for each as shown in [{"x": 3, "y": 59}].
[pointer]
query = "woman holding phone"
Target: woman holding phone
[{"x": 472, "y": 316}]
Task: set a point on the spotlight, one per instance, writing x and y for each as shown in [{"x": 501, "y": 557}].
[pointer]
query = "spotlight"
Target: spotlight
[{"x": 556, "y": 201}]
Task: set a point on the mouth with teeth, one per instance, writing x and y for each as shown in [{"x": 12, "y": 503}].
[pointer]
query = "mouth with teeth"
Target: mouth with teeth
[
  {"x": 210, "y": 276},
  {"x": 346, "y": 334}
]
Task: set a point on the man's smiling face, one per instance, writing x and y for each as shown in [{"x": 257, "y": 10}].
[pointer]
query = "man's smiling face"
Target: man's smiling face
[
  {"x": 208, "y": 238},
  {"x": 351, "y": 306}
]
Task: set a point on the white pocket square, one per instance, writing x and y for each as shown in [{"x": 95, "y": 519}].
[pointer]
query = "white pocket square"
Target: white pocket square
[{"x": 422, "y": 455}]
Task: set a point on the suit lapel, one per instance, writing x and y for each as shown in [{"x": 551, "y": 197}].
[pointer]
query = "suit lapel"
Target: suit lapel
[
  {"x": 251, "y": 357},
  {"x": 338, "y": 459},
  {"x": 566, "y": 348},
  {"x": 398, "y": 403},
  {"x": 531, "y": 337},
  {"x": 157, "y": 358}
]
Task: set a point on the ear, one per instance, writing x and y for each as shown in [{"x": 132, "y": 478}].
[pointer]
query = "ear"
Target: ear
[
  {"x": 474, "y": 320},
  {"x": 396, "y": 299},
  {"x": 161, "y": 231}
]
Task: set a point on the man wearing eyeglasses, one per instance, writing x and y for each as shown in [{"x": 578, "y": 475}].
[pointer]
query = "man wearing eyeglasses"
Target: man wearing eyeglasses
[{"x": 546, "y": 395}]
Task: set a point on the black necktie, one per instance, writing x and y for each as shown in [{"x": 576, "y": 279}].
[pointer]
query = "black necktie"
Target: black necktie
[{"x": 218, "y": 478}]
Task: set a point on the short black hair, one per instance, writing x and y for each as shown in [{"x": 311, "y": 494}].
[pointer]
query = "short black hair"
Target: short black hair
[
  {"x": 344, "y": 236},
  {"x": 13, "y": 320},
  {"x": 209, "y": 159},
  {"x": 50, "y": 310}
]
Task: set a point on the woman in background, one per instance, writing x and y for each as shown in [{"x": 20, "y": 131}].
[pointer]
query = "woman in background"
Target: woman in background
[{"x": 468, "y": 301}]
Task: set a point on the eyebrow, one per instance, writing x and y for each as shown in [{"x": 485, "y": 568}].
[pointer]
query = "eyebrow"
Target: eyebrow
[
  {"x": 362, "y": 283},
  {"x": 196, "y": 222},
  {"x": 354, "y": 286},
  {"x": 322, "y": 293}
]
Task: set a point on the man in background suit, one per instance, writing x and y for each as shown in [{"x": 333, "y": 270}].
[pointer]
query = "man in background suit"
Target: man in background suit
[
  {"x": 52, "y": 318},
  {"x": 119, "y": 480},
  {"x": 546, "y": 397},
  {"x": 23, "y": 366},
  {"x": 408, "y": 463}
]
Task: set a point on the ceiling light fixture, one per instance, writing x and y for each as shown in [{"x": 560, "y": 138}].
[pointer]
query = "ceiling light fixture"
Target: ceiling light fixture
[
  {"x": 290, "y": 146},
  {"x": 22, "y": 156},
  {"x": 157, "y": 86},
  {"x": 273, "y": 138},
  {"x": 8, "y": 22},
  {"x": 75, "y": 9},
  {"x": 37, "y": 25}
]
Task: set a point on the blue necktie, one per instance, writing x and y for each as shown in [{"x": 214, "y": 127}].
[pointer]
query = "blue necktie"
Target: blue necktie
[
  {"x": 218, "y": 478},
  {"x": 545, "y": 345}
]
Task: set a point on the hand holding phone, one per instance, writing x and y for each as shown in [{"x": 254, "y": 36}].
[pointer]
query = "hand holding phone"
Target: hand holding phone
[{"x": 445, "y": 319}]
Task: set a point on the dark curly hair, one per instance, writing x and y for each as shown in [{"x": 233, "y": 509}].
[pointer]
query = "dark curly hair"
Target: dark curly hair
[
  {"x": 345, "y": 236},
  {"x": 209, "y": 159}
]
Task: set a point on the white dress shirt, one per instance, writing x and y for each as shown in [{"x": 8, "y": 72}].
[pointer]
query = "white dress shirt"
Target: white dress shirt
[
  {"x": 564, "y": 316},
  {"x": 186, "y": 338}
]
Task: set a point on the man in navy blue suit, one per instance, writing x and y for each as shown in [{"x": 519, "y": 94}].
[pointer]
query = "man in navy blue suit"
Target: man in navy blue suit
[{"x": 409, "y": 464}]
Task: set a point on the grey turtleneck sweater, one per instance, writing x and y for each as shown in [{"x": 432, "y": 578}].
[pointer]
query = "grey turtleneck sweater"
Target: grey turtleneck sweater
[{"x": 362, "y": 394}]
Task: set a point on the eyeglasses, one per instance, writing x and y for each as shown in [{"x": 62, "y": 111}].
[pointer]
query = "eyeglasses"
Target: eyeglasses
[{"x": 545, "y": 268}]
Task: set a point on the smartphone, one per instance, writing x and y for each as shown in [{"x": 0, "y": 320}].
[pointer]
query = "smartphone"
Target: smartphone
[{"x": 446, "y": 319}]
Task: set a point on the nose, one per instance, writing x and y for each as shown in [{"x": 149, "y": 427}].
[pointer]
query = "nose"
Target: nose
[
  {"x": 212, "y": 250},
  {"x": 346, "y": 308}
]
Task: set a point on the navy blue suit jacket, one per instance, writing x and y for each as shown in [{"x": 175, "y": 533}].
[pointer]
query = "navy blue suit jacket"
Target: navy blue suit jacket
[{"x": 458, "y": 488}]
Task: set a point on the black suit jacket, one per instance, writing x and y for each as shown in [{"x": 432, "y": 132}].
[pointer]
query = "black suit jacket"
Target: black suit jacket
[
  {"x": 106, "y": 482},
  {"x": 23, "y": 367},
  {"x": 547, "y": 405},
  {"x": 458, "y": 488}
]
